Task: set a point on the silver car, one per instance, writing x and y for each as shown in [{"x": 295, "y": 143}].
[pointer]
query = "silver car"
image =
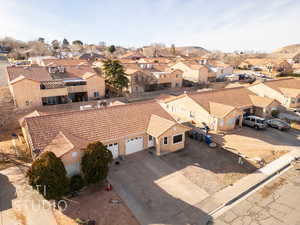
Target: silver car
[
  {"x": 278, "y": 124},
  {"x": 255, "y": 122}
]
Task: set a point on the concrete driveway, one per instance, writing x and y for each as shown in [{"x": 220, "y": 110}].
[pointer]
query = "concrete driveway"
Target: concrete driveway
[
  {"x": 170, "y": 188},
  {"x": 157, "y": 193}
]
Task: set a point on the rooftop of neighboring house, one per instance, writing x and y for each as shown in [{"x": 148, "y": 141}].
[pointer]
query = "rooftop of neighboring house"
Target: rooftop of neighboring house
[
  {"x": 286, "y": 86},
  {"x": 65, "y": 62},
  {"x": 40, "y": 73},
  {"x": 91, "y": 56},
  {"x": 218, "y": 102},
  {"x": 131, "y": 68},
  {"x": 132, "y": 55},
  {"x": 104, "y": 124},
  {"x": 192, "y": 64},
  {"x": 263, "y": 61}
]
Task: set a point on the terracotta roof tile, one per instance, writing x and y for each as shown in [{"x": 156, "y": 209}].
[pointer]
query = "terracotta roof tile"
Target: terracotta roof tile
[{"x": 95, "y": 124}]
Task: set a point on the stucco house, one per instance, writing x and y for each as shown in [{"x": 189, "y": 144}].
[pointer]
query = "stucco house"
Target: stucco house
[
  {"x": 267, "y": 64},
  {"x": 124, "y": 129},
  {"x": 286, "y": 91},
  {"x": 35, "y": 86},
  {"x": 151, "y": 76},
  {"x": 221, "y": 110},
  {"x": 193, "y": 71},
  {"x": 218, "y": 68}
]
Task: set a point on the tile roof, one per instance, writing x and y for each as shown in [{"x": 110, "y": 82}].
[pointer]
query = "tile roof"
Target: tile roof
[
  {"x": 37, "y": 73},
  {"x": 158, "y": 125},
  {"x": 285, "y": 86},
  {"x": 236, "y": 97},
  {"x": 102, "y": 124},
  {"x": 65, "y": 62},
  {"x": 219, "y": 110},
  {"x": 261, "y": 101}
]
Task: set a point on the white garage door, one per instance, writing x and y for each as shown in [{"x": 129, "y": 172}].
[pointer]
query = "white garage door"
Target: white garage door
[
  {"x": 134, "y": 145},
  {"x": 114, "y": 148}
]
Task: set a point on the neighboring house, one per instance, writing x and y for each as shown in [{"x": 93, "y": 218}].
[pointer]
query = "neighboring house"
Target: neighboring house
[
  {"x": 267, "y": 64},
  {"x": 193, "y": 71},
  {"x": 151, "y": 76},
  {"x": 124, "y": 129},
  {"x": 217, "y": 68},
  {"x": 36, "y": 86},
  {"x": 155, "y": 60},
  {"x": 91, "y": 56},
  {"x": 64, "y": 62},
  {"x": 286, "y": 91},
  {"x": 133, "y": 55},
  {"x": 221, "y": 110}
]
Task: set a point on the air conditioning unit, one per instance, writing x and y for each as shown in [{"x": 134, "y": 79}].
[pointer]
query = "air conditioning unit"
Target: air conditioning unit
[{"x": 85, "y": 107}]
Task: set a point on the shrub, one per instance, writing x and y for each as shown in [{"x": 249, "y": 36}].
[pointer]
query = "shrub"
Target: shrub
[
  {"x": 48, "y": 175},
  {"x": 76, "y": 183},
  {"x": 95, "y": 162}
]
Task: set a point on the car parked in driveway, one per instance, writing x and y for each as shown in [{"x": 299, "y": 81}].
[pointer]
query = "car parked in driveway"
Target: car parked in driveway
[
  {"x": 255, "y": 122},
  {"x": 278, "y": 124}
]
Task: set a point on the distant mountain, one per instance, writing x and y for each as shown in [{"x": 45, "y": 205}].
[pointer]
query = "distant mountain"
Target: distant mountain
[
  {"x": 288, "y": 49},
  {"x": 192, "y": 50}
]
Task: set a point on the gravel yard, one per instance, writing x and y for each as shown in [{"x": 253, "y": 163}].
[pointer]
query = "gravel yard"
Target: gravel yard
[{"x": 97, "y": 204}]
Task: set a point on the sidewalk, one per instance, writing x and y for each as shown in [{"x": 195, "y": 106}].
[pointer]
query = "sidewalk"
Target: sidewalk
[{"x": 228, "y": 195}]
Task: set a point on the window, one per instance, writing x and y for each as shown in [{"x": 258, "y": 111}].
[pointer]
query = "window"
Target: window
[
  {"x": 165, "y": 140},
  {"x": 177, "y": 139},
  {"x": 96, "y": 94},
  {"x": 293, "y": 100},
  {"x": 150, "y": 138},
  {"x": 298, "y": 100}
]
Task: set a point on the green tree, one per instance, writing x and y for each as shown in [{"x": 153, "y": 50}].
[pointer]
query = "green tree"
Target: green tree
[
  {"x": 47, "y": 174},
  {"x": 95, "y": 163},
  {"x": 111, "y": 49},
  {"x": 173, "y": 50},
  {"x": 77, "y": 42},
  {"x": 41, "y": 39},
  {"x": 65, "y": 42},
  {"x": 55, "y": 44},
  {"x": 115, "y": 74}
]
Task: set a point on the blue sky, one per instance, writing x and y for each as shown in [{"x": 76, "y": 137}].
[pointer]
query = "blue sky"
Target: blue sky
[{"x": 227, "y": 25}]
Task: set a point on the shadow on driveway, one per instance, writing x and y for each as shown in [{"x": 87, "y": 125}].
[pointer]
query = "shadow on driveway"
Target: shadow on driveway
[{"x": 7, "y": 193}]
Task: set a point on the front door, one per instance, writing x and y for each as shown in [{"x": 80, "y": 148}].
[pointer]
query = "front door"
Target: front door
[{"x": 151, "y": 141}]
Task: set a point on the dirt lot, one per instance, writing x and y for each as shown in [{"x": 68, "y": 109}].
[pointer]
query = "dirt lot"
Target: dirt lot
[
  {"x": 13, "y": 151},
  {"x": 211, "y": 168},
  {"x": 266, "y": 144},
  {"x": 97, "y": 204}
]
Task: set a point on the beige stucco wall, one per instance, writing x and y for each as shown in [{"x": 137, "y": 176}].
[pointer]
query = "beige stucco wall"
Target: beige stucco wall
[
  {"x": 26, "y": 90},
  {"x": 95, "y": 84},
  {"x": 68, "y": 159},
  {"x": 229, "y": 121},
  {"x": 265, "y": 91},
  {"x": 53, "y": 92},
  {"x": 170, "y": 147},
  {"x": 189, "y": 74},
  {"x": 186, "y": 109}
]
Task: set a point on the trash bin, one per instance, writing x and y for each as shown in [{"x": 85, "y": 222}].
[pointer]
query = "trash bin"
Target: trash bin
[{"x": 208, "y": 139}]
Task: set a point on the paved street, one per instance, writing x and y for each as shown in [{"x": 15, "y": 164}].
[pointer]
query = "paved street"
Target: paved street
[{"x": 277, "y": 203}]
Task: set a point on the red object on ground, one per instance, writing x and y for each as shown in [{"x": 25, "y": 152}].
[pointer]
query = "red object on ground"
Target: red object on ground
[{"x": 108, "y": 187}]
